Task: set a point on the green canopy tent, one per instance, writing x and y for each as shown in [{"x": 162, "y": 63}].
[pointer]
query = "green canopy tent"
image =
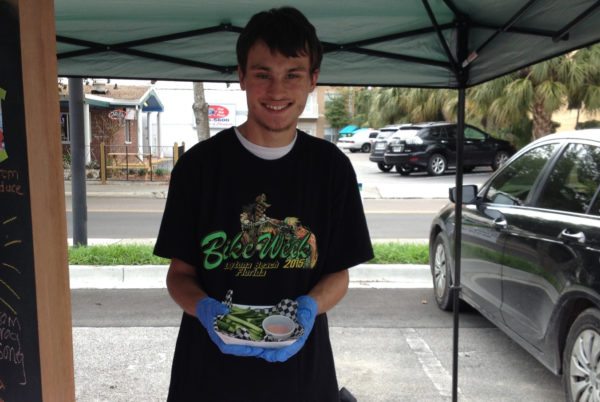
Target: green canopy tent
[{"x": 412, "y": 43}]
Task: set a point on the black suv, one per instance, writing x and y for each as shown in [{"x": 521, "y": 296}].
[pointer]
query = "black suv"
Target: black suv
[
  {"x": 432, "y": 147},
  {"x": 380, "y": 144}
]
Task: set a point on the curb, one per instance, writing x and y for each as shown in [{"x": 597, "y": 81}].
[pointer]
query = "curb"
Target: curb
[
  {"x": 124, "y": 194},
  {"x": 374, "y": 276}
]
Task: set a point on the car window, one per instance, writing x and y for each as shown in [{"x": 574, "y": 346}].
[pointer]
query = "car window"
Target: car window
[
  {"x": 385, "y": 134},
  {"x": 374, "y": 134},
  {"x": 451, "y": 132},
  {"x": 513, "y": 183},
  {"x": 401, "y": 134},
  {"x": 574, "y": 180},
  {"x": 434, "y": 133},
  {"x": 473, "y": 134}
]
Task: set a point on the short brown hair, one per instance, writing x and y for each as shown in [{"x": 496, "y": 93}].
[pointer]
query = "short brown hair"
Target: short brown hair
[{"x": 285, "y": 30}]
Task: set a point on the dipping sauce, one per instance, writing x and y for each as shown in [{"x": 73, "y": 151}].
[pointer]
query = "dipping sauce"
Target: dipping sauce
[{"x": 278, "y": 328}]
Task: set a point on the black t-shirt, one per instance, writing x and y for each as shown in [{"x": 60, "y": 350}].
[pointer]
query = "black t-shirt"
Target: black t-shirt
[{"x": 268, "y": 230}]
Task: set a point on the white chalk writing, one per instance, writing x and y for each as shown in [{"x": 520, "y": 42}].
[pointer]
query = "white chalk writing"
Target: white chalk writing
[{"x": 10, "y": 343}]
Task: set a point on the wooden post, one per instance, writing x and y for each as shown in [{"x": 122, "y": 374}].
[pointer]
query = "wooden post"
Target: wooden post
[
  {"x": 175, "y": 153},
  {"x": 102, "y": 163},
  {"x": 36, "y": 306}
]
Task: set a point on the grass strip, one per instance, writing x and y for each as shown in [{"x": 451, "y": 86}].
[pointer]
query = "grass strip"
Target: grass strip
[
  {"x": 115, "y": 254},
  {"x": 141, "y": 254}
]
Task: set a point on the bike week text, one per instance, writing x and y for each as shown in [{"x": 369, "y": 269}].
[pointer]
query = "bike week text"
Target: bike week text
[{"x": 217, "y": 248}]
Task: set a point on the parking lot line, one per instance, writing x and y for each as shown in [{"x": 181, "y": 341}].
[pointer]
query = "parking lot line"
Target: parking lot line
[{"x": 433, "y": 368}]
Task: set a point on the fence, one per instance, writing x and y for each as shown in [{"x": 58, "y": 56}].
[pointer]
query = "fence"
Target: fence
[
  {"x": 121, "y": 162},
  {"x": 126, "y": 162}
]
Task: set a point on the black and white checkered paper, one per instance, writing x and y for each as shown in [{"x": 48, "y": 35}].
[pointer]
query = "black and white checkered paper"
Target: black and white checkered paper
[{"x": 286, "y": 307}]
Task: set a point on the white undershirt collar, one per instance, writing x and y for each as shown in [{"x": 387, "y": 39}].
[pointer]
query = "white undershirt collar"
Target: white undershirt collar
[{"x": 267, "y": 153}]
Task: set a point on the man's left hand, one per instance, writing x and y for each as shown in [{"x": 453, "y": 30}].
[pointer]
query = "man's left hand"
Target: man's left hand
[{"x": 305, "y": 315}]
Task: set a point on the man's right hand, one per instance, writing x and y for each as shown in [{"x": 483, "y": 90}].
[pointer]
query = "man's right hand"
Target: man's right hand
[{"x": 207, "y": 309}]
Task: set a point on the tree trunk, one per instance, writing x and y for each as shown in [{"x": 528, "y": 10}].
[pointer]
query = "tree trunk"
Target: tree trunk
[
  {"x": 542, "y": 121},
  {"x": 200, "y": 108}
]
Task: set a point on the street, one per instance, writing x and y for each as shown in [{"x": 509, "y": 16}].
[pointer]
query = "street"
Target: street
[
  {"x": 396, "y": 207},
  {"x": 127, "y": 218}
]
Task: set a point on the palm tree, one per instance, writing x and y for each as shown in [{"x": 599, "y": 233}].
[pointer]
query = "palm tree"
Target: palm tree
[
  {"x": 428, "y": 104},
  {"x": 586, "y": 96},
  {"x": 540, "y": 90},
  {"x": 386, "y": 106}
]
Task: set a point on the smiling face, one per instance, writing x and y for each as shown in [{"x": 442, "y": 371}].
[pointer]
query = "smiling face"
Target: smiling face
[{"x": 276, "y": 91}]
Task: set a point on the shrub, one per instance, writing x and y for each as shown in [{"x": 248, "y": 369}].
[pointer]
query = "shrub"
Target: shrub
[{"x": 587, "y": 124}]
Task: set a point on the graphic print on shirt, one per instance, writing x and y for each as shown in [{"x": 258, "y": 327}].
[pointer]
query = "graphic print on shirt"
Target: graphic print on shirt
[{"x": 262, "y": 245}]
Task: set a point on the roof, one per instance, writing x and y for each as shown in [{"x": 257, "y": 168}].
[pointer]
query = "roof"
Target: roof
[
  {"x": 415, "y": 43},
  {"x": 348, "y": 129},
  {"x": 143, "y": 96},
  {"x": 586, "y": 134},
  {"x": 430, "y": 124}
]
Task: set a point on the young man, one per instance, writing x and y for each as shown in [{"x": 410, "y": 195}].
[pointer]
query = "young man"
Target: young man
[{"x": 269, "y": 213}]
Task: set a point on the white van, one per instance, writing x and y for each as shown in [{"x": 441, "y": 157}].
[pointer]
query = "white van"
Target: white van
[{"x": 360, "y": 140}]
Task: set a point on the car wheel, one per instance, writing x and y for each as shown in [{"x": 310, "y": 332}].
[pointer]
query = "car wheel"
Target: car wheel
[
  {"x": 499, "y": 159},
  {"x": 383, "y": 167},
  {"x": 581, "y": 363},
  {"x": 436, "y": 165},
  {"x": 366, "y": 148},
  {"x": 403, "y": 170},
  {"x": 441, "y": 272},
  {"x": 353, "y": 150}
]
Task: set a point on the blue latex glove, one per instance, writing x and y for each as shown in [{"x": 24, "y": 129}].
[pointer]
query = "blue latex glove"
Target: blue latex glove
[
  {"x": 207, "y": 309},
  {"x": 305, "y": 315}
]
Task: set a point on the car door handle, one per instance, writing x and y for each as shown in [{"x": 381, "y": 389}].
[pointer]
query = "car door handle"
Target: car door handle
[
  {"x": 578, "y": 237},
  {"x": 500, "y": 223}
]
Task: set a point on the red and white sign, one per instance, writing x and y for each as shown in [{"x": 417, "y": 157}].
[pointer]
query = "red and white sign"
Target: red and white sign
[
  {"x": 117, "y": 114},
  {"x": 221, "y": 116}
]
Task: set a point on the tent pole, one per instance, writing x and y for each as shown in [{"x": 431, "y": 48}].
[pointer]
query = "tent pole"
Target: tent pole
[
  {"x": 78, "y": 192},
  {"x": 457, "y": 237},
  {"x": 462, "y": 79}
]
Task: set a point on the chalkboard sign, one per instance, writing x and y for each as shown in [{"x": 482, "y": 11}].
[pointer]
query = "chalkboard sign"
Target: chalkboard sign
[{"x": 19, "y": 348}]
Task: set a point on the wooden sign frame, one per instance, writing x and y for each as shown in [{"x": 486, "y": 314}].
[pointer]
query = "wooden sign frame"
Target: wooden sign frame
[{"x": 38, "y": 251}]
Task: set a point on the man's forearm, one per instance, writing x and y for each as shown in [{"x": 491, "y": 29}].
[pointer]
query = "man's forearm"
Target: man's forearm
[
  {"x": 182, "y": 286},
  {"x": 330, "y": 290}
]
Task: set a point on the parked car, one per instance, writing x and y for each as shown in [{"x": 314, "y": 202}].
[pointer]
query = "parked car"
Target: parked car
[
  {"x": 530, "y": 255},
  {"x": 360, "y": 140},
  {"x": 380, "y": 144},
  {"x": 432, "y": 147}
]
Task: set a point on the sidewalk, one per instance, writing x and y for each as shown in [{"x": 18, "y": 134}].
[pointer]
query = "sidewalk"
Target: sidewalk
[
  {"x": 159, "y": 189},
  {"x": 139, "y": 189},
  {"x": 370, "y": 276}
]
